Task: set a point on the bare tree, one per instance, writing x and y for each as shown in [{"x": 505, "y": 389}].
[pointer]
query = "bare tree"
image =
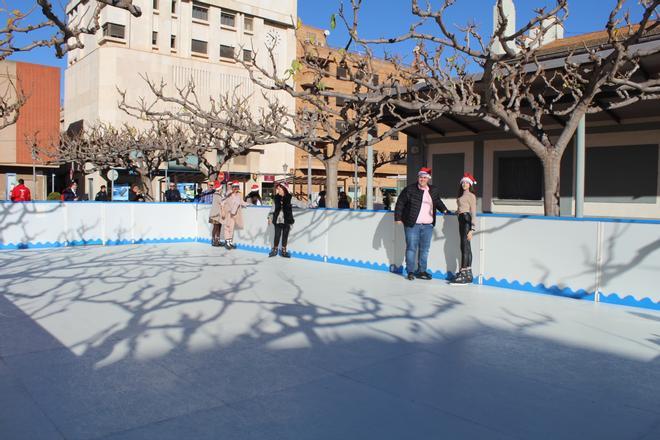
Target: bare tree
[
  {"x": 11, "y": 101},
  {"x": 517, "y": 89},
  {"x": 381, "y": 158},
  {"x": 331, "y": 124},
  {"x": 215, "y": 133},
  {"x": 41, "y": 16},
  {"x": 103, "y": 147}
]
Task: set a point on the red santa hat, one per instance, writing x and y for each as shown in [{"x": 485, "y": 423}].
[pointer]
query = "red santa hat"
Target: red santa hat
[
  {"x": 284, "y": 185},
  {"x": 424, "y": 172},
  {"x": 468, "y": 178},
  {"x": 254, "y": 187},
  {"x": 235, "y": 184}
]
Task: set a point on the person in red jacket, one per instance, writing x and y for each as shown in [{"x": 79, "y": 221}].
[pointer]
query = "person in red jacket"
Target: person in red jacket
[{"x": 21, "y": 193}]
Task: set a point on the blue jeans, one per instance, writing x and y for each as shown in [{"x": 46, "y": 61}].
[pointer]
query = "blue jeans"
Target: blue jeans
[{"x": 418, "y": 239}]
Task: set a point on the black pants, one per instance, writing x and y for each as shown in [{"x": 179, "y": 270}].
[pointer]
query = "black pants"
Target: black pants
[
  {"x": 216, "y": 232},
  {"x": 464, "y": 226},
  {"x": 281, "y": 230}
]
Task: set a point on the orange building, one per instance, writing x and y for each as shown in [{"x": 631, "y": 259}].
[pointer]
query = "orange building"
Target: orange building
[
  {"x": 39, "y": 117},
  {"x": 388, "y": 178}
]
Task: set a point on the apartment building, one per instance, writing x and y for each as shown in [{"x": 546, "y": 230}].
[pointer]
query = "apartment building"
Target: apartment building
[
  {"x": 388, "y": 178},
  {"x": 177, "y": 41},
  {"x": 38, "y": 119}
]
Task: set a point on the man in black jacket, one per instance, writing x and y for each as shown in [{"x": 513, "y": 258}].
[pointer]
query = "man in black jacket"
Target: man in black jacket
[
  {"x": 415, "y": 209},
  {"x": 102, "y": 196},
  {"x": 172, "y": 194}
]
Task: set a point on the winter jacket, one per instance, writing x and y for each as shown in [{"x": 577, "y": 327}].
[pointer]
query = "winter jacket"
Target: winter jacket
[
  {"x": 21, "y": 193},
  {"x": 102, "y": 196},
  {"x": 172, "y": 195},
  {"x": 69, "y": 196},
  {"x": 282, "y": 204},
  {"x": 135, "y": 197},
  {"x": 409, "y": 204}
]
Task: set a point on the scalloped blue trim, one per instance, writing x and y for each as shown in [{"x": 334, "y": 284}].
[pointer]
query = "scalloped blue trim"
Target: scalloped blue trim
[
  {"x": 629, "y": 300},
  {"x": 251, "y": 248},
  {"x": 363, "y": 264},
  {"x": 308, "y": 256},
  {"x": 565, "y": 292},
  {"x": 94, "y": 242}
]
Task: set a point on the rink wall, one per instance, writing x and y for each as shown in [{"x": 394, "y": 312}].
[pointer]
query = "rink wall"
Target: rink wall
[{"x": 597, "y": 259}]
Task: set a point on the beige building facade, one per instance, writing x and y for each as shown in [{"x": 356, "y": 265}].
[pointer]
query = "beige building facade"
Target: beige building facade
[
  {"x": 177, "y": 41},
  {"x": 389, "y": 178}
]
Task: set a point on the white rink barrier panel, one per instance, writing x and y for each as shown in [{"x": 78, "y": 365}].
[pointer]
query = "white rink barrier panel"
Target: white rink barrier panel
[
  {"x": 608, "y": 260},
  {"x": 56, "y": 224}
]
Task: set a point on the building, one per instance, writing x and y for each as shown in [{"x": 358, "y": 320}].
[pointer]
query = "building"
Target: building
[
  {"x": 620, "y": 168},
  {"x": 178, "y": 41},
  {"x": 39, "y": 117},
  {"x": 388, "y": 178}
]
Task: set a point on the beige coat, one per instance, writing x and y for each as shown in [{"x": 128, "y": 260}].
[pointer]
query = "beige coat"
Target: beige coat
[
  {"x": 231, "y": 210},
  {"x": 215, "y": 215}
]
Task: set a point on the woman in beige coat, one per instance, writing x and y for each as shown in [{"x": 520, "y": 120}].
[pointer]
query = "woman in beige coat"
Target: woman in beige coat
[
  {"x": 231, "y": 213},
  {"x": 215, "y": 215}
]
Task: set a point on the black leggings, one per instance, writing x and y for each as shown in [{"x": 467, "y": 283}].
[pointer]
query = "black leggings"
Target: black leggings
[
  {"x": 216, "y": 231},
  {"x": 465, "y": 226},
  {"x": 281, "y": 230}
]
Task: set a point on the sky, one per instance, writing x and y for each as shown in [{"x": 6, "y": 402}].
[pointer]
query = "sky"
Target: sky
[{"x": 385, "y": 18}]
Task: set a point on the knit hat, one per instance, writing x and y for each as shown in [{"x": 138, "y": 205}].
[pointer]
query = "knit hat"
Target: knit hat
[
  {"x": 468, "y": 178},
  {"x": 254, "y": 187},
  {"x": 424, "y": 172}
]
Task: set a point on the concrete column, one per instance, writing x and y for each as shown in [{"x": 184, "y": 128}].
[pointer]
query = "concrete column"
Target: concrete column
[
  {"x": 479, "y": 172},
  {"x": 370, "y": 177},
  {"x": 580, "y": 154}
]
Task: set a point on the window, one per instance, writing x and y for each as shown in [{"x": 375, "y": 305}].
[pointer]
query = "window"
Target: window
[
  {"x": 174, "y": 6},
  {"x": 340, "y": 101},
  {"x": 519, "y": 176},
  {"x": 226, "y": 52},
  {"x": 398, "y": 158},
  {"x": 341, "y": 126},
  {"x": 394, "y": 137},
  {"x": 342, "y": 72},
  {"x": 114, "y": 30},
  {"x": 154, "y": 5},
  {"x": 154, "y": 38},
  {"x": 200, "y": 11},
  {"x": 248, "y": 24},
  {"x": 247, "y": 55},
  {"x": 173, "y": 41},
  {"x": 199, "y": 46},
  {"x": 228, "y": 19},
  {"x": 375, "y": 79},
  {"x": 636, "y": 165}
]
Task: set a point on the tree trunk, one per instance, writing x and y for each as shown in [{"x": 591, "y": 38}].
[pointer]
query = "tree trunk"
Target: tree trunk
[
  {"x": 551, "y": 167},
  {"x": 145, "y": 186},
  {"x": 331, "y": 174}
]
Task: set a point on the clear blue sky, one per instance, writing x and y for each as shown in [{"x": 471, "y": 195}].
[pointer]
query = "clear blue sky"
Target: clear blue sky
[{"x": 382, "y": 18}]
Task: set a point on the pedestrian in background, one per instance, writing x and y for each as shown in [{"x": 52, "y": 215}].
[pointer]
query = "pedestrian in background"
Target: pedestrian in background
[
  {"x": 135, "y": 195},
  {"x": 21, "y": 193},
  {"x": 71, "y": 193},
  {"x": 102, "y": 195},
  {"x": 344, "y": 203},
  {"x": 253, "y": 196},
  {"x": 172, "y": 194}
]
